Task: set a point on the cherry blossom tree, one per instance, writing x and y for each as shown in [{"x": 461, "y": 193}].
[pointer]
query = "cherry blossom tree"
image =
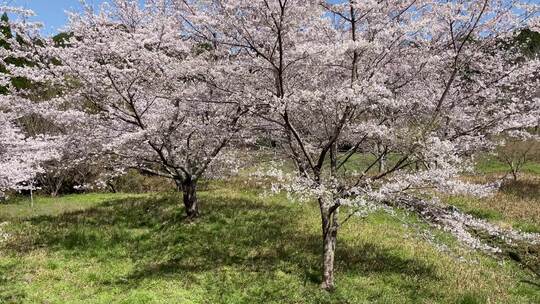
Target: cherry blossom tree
[
  {"x": 516, "y": 147},
  {"x": 141, "y": 90},
  {"x": 424, "y": 84},
  {"x": 21, "y": 156},
  {"x": 165, "y": 87}
]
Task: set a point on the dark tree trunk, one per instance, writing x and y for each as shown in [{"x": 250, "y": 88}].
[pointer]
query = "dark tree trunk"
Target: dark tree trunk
[
  {"x": 189, "y": 191},
  {"x": 514, "y": 174},
  {"x": 330, "y": 226},
  {"x": 112, "y": 187}
]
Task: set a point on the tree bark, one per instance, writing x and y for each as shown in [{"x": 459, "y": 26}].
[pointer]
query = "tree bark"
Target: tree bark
[
  {"x": 382, "y": 160},
  {"x": 57, "y": 187},
  {"x": 112, "y": 187},
  {"x": 189, "y": 191},
  {"x": 514, "y": 174},
  {"x": 330, "y": 226}
]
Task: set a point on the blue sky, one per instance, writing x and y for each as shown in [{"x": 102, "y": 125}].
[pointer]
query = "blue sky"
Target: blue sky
[{"x": 51, "y": 12}]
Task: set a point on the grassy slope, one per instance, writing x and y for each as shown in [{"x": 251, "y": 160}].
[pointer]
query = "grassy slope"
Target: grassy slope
[
  {"x": 245, "y": 249},
  {"x": 516, "y": 205},
  {"x": 489, "y": 165}
]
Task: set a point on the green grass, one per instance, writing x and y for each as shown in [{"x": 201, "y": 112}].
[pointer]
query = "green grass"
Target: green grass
[
  {"x": 244, "y": 249},
  {"x": 20, "y": 207},
  {"x": 491, "y": 165},
  {"x": 467, "y": 205},
  {"x": 527, "y": 226}
]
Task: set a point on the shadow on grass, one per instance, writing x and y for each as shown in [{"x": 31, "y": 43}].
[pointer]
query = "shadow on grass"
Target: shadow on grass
[{"x": 248, "y": 236}]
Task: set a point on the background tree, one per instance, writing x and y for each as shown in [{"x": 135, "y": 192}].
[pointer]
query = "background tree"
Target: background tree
[
  {"x": 17, "y": 83},
  {"x": 142, "y": 91},
  {"x": 64, "y": 171},
  {"x": 22, "y": 153},
  {"x": 515, "y": 151},
  {"x": 517, "y": 148},
  {"x": 21, "y": 156}
]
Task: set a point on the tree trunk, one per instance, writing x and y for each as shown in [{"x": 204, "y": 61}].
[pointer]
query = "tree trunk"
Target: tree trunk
[
  {"x": 514, "y": 168},
  {"x": 330, "y": 227},
  {"x": 56, "y": 190},
  {"x": 189, "y": 190},
  {"x": 112, "y": 187},
  {"x": 31, "y": 197},
  {"x": 382, "y": 164},
  {"x": 382, "y": 160}
]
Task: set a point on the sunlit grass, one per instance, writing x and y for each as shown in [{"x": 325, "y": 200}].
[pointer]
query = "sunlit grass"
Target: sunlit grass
[
  {"x": 245, "y": 249},
  {"x": 21, "y": 207},
  {"x": 490, "y": 165}
]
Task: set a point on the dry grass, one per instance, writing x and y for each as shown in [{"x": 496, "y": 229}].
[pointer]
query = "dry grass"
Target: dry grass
[{"x": 516, "y": 204}]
